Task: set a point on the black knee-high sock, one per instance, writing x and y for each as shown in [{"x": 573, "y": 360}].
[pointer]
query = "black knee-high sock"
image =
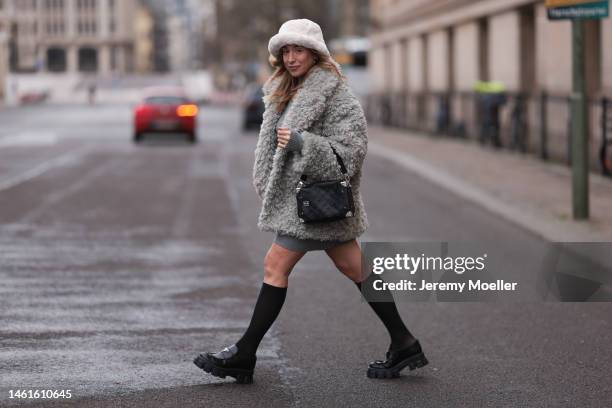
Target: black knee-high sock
[
  {"x": 267, "y": 308},
  {"x": 387, "y": 312}
]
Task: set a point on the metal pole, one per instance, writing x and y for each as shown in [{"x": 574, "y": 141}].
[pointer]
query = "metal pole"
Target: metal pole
[
  {"x": 603, "y": 154},
  {"x": 544, "y": 126},
  {"x": 580, "y": 157}
]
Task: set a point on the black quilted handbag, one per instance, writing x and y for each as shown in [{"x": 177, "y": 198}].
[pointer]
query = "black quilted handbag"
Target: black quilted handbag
[{"x": 324, "y": 201}]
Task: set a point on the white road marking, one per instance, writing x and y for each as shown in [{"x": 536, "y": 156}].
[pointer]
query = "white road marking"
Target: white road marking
[
  {"x": 61, "y": 193},
  {"x": 29, "y": 139},
  {"x": 42, "y": 168}
]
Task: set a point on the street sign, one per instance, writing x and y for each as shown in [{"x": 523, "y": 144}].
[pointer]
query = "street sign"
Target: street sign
[{"x": 577, "y": 9}]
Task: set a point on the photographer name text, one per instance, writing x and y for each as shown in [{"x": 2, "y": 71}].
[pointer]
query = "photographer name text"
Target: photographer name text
[{"x": 471, "y": 285}]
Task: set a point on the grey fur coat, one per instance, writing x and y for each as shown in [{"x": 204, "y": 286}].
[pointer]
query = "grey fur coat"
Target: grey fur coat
[{"x": 325, "y": 111}]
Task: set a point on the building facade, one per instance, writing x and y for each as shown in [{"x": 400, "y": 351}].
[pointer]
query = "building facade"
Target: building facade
[
  {"x": 4, "y": 65},
  {"x": 427, "y": 55},
  {"x": 4, "y": 48},
  {"x": 143, "y": 40},
  {"x": 95, "y": 36},
  {"x": 178, "y": 39}
]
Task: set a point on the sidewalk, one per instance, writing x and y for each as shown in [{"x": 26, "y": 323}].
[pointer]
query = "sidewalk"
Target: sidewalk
[{"x": 534, "y": 194}]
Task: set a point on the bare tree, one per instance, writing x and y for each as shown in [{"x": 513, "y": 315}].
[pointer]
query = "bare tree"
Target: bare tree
[{"x": 246, "y": 26}]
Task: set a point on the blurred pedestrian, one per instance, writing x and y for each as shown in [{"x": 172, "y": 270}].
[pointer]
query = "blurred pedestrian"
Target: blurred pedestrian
[
  {"x": 310, "y": 112},
  {"x": 91, "y": 93},
  {"x": 492, "y": 97}
]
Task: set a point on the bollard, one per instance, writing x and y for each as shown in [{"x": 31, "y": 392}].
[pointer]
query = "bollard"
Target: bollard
[
  {"x": 518, "y": 125},
  {"x": 570, "y": 134},
  {"x": 605, "y": 161},
  {"x": 443, "y": 114}
]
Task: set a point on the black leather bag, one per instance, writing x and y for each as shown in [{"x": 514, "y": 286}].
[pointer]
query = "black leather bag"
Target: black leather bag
[{"x": 325, "y": 201}]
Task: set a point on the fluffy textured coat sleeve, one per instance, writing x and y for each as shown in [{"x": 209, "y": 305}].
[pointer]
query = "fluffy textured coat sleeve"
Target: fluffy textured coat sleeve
[{"x": 346, "y": 131}]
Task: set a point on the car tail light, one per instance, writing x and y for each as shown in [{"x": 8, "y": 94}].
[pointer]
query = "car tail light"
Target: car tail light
[{"x": 187, "y": 110}]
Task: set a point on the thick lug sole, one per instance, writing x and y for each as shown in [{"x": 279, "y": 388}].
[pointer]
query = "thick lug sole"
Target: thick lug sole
[
  {"x": 242, "y": 376},
  {"x": 413, "y": 362}
]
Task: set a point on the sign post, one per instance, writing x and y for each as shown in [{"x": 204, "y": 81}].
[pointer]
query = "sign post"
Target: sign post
[
  {"x": 578, "y": 11},
  {"x": 580, "y": 143}
]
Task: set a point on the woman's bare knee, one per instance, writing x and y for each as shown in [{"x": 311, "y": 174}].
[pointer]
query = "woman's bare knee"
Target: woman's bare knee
[
  {"x": 274, "y": 270},
  {"x": 343, "y": 265},
  {"x": 278, "y": 264},
  {"x": 347, "y": 258},
  {"x": 351, "y": 272}
]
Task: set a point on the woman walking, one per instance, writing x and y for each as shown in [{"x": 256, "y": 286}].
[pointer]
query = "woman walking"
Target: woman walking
[{"x": 311, "y": 115}]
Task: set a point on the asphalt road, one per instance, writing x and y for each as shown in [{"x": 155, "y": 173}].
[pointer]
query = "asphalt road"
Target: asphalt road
[{"x": 120, "y": 263}]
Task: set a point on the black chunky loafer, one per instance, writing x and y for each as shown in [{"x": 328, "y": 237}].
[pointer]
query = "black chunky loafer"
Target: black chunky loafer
[
  {"x": 411, "y": 356},
  {"x": 228, "y": 363}
]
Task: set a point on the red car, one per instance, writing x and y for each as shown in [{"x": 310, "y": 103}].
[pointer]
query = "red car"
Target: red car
[{"x": 167, "y": 110}]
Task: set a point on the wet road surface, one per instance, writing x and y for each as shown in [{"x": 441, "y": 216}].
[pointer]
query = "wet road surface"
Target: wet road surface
[{"x": 119, "y": 263}]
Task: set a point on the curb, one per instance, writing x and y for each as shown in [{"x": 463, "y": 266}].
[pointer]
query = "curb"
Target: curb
[{"x": 538, "y": 224}]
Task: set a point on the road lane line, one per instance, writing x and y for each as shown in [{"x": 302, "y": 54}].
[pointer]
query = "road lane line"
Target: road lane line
[
  {"x": 42, "y": 168},
  {"x": 182, "y": 222},
  {"x": 57, "y": 196},
  {"x": 29, "y": 139}
]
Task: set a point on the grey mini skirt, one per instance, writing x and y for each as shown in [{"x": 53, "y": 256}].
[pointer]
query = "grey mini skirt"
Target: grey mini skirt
[{"x": 304, "y": 245}]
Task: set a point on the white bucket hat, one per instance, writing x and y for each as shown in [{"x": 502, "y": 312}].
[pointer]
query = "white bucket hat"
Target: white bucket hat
[{"x": 298, "y": 32}]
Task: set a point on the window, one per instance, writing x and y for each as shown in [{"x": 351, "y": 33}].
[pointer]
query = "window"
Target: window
[
  {"x": 165, "y": 100},
  {"x": 483, "y": 49},
  {"x": 56, "y": 59},
  {"x": 86, "y": 4},
  {"x": 54, "y": 4},
  {"x": 86, "y": 26},
  {"x": 527, "y": 49},
  {"x": 113, "y": 59},
  {"x": 87, "y": 59}
]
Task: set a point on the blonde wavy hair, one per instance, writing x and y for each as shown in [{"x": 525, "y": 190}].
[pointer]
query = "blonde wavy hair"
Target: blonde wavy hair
[{"x": 289, "y": 85}]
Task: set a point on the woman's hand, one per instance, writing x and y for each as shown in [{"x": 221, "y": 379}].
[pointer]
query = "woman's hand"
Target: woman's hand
[{"x": 282, "y": 137}]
